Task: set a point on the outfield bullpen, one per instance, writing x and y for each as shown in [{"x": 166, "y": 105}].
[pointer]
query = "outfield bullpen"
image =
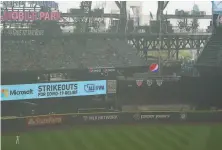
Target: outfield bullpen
[{"x": 119, "y": 137}]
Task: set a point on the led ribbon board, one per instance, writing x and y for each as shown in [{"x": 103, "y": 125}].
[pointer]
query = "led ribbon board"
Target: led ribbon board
[{"x": 51, "y": 90}]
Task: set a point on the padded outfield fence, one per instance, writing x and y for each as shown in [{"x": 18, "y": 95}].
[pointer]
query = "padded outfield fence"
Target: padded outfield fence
[{"x": 22, "y": 124}]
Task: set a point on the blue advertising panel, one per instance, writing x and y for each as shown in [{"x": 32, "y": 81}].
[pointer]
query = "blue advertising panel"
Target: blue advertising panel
[
  {"x": 51, "y": 90},
  {"x": 217, "y": 7}
]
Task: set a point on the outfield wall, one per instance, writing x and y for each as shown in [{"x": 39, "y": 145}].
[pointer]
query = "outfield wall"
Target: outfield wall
[{"x": 22, "y": 124}]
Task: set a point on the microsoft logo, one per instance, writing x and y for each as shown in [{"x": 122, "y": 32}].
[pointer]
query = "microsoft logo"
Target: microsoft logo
[
  {"x": 4, "y": 93},
  {"x": 8, "y": 93}
]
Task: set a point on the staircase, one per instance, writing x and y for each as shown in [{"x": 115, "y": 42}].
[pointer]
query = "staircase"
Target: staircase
[{"x": 211, "y": 54}]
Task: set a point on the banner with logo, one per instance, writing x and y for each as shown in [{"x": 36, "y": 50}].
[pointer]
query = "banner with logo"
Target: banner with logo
[
  {"x": 20, "y": 124},
  {"x": 23, "y": 32},
  {"x": 101, "y": 117},
  {"x": 159, "y": 116},
  {"x": 139, "y": 83},
  {"x": 104, "y": 71},
  {"x": 111, "y": 86},
  {"x": 44, "y": 120},
  {"x": 217, "y": 7},
  {"x": 50, "y": 90}
]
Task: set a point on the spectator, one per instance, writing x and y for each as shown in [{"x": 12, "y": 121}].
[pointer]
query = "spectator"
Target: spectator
[{"x": 57, "y": 54}]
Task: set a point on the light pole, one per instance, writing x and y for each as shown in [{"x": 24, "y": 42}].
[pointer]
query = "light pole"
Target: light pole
[
  {"x": 160, "y": 43},
  {"x": 159, "y": 81}
]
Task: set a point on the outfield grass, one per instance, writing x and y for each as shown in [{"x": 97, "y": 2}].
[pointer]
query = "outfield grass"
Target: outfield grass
[{"x": 121, "y": 137}]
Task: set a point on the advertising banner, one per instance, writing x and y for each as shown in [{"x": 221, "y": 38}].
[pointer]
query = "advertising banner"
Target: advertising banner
[
  {"x": 111, "y": 86},
  {"x": 50, "y": 4},
  {"x": 44, "y": 120},
  {"x": 20, "y": 124},
  {"x": 23, "y": 32},
  {"x": 217, "y": 7},
  {"x": 50, "y": 90},
  {"x": 205, "y": 116},
  {"x": 159, "y": 116},
  {"x": 103, "y": 71},
  {"x": 104, "y": 117},
  {"x": 87, "y": 118},
  {"x": 29, "y": 15}
]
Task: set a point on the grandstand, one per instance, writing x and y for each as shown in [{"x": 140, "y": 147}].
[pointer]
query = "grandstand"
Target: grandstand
[
  {"x": 100, "y": 79},
  {"x": 56, "y": 57},
  {"x": 58, "y": 54},
  {"x": 211, "y": 55}
]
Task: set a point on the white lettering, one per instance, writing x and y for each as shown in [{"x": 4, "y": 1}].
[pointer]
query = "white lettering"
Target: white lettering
[
  {"x": 108, "y": 117},
  {"x": 155, "y": 116},
  {"x": 147, "y": 116},
  {"x": 162, "y": 116},
  {"x": 25, "y": 32}
]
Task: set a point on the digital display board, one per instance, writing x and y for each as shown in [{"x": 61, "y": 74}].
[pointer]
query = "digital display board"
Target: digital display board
[{"x": 52, "y": 90}]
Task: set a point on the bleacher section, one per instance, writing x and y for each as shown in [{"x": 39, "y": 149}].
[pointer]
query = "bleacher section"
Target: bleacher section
[
  {"x": 127, "y": 52},
  {"x": 57, "y": 54},
  {"x": 98, "y": 54},
  {"x": 211, "y": 54}
]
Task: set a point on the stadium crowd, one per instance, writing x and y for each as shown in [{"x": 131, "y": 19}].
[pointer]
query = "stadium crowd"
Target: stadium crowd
[{"x": 57, "y": 54}]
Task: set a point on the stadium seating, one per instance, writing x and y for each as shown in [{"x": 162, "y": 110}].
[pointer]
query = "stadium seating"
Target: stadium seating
[
  {"x": 57, "y": 54},
  {"x": 210, "y": 55},
  {"x": 127, "y": 52}
]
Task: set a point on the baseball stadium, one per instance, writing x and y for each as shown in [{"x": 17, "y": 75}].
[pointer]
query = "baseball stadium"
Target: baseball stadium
[{"x": 85, "y": 78}]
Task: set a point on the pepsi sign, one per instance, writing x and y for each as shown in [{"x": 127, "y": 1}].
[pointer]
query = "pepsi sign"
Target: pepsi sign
[{"x": 154, "y": 67}]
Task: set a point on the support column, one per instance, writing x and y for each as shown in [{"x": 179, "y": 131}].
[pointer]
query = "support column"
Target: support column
[
  {"x": 161, "y": 6},
  {"x": 86, "y": 7},
  {"x": 123, "y": 15}
]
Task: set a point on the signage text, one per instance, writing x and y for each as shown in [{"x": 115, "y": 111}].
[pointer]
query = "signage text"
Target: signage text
[{"x": 30, "y": 15}]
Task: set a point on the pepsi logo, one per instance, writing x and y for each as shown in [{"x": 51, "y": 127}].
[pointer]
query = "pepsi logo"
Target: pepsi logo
[{"x": 154, "y": 67}]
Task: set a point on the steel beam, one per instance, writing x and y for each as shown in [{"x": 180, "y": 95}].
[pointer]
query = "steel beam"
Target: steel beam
[
  {"x": 118, "y": 4},
  {"x": 107, "y": 15},
  {"x": 171, "y": 16},
  {"x": 165, "y": 4},
  {"x": 170, "y": 42},
  {"x": 115, "y": 36},
  {"x": 161, "y": 6},
  {"x": 123, "y": 17},
  {"x": 160, "y": 9}
]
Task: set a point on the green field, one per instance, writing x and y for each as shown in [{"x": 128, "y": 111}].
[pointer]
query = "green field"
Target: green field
[{"x": 121, "y": 137}]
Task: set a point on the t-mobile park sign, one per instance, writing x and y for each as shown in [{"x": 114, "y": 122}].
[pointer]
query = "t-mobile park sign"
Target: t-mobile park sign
[{"x": 30, "y": 15}]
